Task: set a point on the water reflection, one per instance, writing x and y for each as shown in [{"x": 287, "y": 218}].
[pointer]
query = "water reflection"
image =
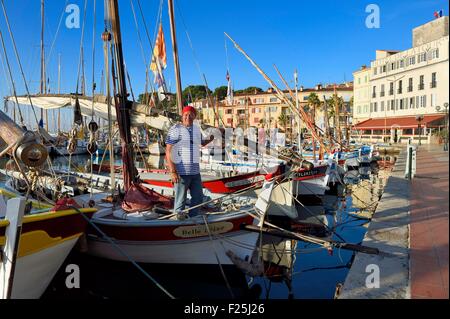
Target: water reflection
[{"x": 291, "y": 269}]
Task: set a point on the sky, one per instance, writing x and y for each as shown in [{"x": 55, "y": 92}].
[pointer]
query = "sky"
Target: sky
[{"x": 324, "y": 40}]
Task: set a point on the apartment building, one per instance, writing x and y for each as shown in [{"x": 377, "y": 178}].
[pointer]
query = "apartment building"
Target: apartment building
[{"x": 406, "y": 87}]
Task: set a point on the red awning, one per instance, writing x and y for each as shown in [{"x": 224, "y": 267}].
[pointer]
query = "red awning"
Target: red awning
[{"x": 399, "y": 122}]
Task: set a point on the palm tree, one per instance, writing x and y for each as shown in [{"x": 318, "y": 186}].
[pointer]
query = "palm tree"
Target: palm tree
[{"x": 283, "y": 119}]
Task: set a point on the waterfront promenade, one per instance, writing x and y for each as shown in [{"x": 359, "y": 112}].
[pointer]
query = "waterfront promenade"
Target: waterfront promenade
[
  {"x": 410, "y": 228},
  {"x": 429, "y": 231}
]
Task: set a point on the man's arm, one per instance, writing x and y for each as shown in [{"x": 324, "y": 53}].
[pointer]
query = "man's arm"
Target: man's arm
[{"x": 171, "y": 165}]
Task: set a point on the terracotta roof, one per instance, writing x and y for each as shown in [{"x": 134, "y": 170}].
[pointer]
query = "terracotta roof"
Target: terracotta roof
[{"x": 400, "y": 122}]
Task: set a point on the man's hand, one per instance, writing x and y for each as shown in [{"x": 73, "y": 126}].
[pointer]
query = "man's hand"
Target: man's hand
[{"x": 174, "y": 177}]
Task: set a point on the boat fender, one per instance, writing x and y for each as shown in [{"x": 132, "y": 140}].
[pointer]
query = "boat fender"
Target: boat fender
[{"x": 64, "y": 203}]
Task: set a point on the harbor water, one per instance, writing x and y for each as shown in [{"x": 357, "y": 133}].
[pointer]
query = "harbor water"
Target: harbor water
[{"x": 292, "y": 269}]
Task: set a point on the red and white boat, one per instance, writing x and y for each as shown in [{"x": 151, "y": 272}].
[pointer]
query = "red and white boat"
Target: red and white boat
[{"x": 149, "y": 237}]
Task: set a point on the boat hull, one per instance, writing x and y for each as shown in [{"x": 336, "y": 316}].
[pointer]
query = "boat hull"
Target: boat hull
[{"x": 174, "y": 242}]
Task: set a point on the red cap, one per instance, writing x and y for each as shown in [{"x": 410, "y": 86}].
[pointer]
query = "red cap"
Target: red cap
[{"x": 189, "y": 109}]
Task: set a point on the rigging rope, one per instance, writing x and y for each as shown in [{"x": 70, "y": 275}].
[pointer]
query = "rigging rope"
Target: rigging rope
[
  {"x": 81, "y": 46},
  {"x": 11, "y": 79},
  {"x": 18, "y": 60}
]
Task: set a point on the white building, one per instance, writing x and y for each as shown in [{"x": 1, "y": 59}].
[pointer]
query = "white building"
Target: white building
[
  {"x": 361, "y": 94},
  {"x": 408, "y": 84}
]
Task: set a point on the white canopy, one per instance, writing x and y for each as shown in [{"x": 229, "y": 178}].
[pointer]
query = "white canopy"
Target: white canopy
[{"x": 141, "y": 114}]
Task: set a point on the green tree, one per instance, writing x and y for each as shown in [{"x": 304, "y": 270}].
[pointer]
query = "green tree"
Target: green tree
[
  {"x": 195, "y": 92},
  {"x": 221, "y": 92},
  {"x": 283, "y": 119},
  {"x": 250, "y": 90}
]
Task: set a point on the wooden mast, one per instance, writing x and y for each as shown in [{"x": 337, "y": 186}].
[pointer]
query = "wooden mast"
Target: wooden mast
[
  {"x": 122, "y": 107},
  {"x": 42, "y": 87},
  {"x": 59, "y": 92},
  {"x": 175, "y": 57}
]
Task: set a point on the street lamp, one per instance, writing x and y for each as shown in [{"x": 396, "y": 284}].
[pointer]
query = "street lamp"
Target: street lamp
[
  {"x": 438, "y": 108},
  {"x": 419, "y": 118}
]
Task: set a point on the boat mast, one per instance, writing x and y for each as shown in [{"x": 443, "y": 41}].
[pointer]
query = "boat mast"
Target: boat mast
[
  {"x": 59, "y": 92},
  {"x": 122, "y": 107},
  {"x": 298, "y": 120},
  {"x": 175, "y": 57},
  {"x": 106, "y": 36},
  {"x": 42, "y": 88}
]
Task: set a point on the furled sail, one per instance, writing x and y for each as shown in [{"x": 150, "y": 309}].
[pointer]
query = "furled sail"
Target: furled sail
[{"x": 141, "y": 114}]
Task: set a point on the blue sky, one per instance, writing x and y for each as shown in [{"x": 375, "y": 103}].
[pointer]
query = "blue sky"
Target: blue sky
[{"x": 325, "y": 40}]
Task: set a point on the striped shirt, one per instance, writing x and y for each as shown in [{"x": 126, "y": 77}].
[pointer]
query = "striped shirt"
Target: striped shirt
[{"x": 186, "y": 143}]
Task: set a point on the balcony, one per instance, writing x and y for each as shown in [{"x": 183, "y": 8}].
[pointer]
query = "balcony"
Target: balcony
[
  {"x": 433, "y": 84},
  {"x": 421, "y": 86},
  {"x": 410, "y": 88}
]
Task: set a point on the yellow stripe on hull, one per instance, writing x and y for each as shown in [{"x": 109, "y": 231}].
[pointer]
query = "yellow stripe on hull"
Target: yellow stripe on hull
[
  {"x": 57, "y": 214},
  {"x": 35, "y": 241}
]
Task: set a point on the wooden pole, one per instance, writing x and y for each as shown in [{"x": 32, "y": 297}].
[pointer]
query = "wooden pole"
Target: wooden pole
[
  {"x": 122, "y": 107},
  {"x": 42, "y": 89},
  {"x": 59, "y": 92},
  {"x": 175, "y": 57}
]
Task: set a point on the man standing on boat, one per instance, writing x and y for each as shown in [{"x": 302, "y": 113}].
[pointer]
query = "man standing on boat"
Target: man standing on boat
[{"x": 183, "y": 157}]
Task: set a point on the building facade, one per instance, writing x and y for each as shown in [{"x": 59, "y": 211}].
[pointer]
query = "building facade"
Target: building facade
[
  {"x": 406, "y": 87},
  {"x": 266, "y": 110}
]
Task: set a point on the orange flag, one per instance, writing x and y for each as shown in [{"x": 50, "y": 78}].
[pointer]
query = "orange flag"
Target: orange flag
[{"x": 159, "y": 52}]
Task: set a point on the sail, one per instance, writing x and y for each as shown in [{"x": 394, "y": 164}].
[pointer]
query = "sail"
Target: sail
[{"x": 141, "y": 114}]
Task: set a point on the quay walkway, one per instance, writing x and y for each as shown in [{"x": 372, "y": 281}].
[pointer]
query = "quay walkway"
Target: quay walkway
[{"x": 410, "y": 227}]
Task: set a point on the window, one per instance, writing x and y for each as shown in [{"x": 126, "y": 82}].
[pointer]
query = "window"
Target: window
[
  {"x": 401, "y": 104},
  {"x": 391, "y": 88},
  {"x": 422, "y": 57},
  {"x": 402, "y": 63},
  {"x": 423, "y": 101},
  {"x": 257, "y": 110},
  {"x": 374, "y": 71},
  {"x": 241, "y": 112},
  {"x": 410, "y": 84},
  {"x": 273, "y": 100},
  {"x": 412, "y": 60},
  {"x": 375, "y": 107},
  {"x": 258, "y": 100},
  {"x": 384, "y": 68},
  {"x": 400, "y": 83},
  {"x": 229, "y": 111},
  {"x": 374, "y": 93},
  {"x": 433, "y": 100},
  {"x": 421, "y": 82},
  {"x": 382, "y": 106},
  {"x": 382, "y": 90},
  {"x": 411, "y": 102},
  {"x": 433, "y": 80},
  {"x": 392, "y": 66}
]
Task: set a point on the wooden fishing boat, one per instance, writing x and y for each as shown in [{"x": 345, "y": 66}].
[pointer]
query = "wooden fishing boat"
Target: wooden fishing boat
[{"x": 46, "y": 238}]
